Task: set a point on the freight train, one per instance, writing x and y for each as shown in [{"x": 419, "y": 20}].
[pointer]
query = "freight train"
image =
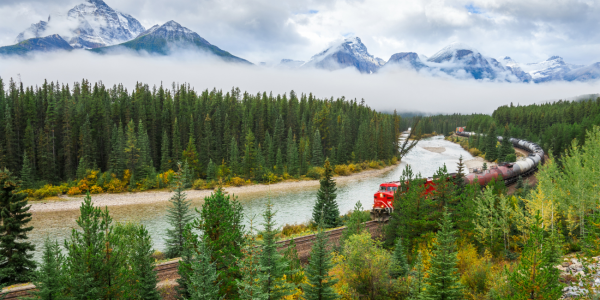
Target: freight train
[{"x": 383, "y": 200}]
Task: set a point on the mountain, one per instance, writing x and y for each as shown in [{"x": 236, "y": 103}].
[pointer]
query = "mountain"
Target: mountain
[
  {"x": 91, "y": 24},
  {"x": 406, "y": 59},
  {"x": 552, "y": 69},
  {"x": 164, "y": 39},
  {"x": 45, "y": 44},
  {"x": 514, "y": 67},
  {"x": 457, "y": 59},
  {"x": 591, "y": 72},
  {"x": 350, "y": 52}
]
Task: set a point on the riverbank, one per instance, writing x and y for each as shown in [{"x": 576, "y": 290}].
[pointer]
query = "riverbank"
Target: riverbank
[{"x": 154, "y": 196}]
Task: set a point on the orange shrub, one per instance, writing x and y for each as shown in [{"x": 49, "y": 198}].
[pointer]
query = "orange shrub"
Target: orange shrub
[
  {"x": 115, "y": 185},
  {"x": 47, "y": 191},
  {"x": 74, "y": 191},
  {"x": 474, "y": 151}
]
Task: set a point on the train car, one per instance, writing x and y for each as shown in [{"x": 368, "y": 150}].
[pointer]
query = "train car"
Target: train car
[{"x": 383, "y": 200}]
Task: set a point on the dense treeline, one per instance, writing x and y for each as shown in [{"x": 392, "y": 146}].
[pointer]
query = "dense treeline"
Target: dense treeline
[
  {"x": 441, "y": 124},
  {"x": 552, "y": 125},
  {"x": 56, "y": 132}
]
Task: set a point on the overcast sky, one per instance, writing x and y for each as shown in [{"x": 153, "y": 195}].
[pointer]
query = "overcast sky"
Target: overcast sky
[{"x": 269, "y": 30}]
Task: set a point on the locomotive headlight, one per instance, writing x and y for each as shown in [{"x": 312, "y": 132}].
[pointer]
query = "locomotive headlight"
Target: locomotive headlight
[{"x": 380, "y": 195}]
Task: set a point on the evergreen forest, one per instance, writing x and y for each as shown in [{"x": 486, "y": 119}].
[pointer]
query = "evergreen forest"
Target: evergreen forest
[{"x": 107, "y": 139}]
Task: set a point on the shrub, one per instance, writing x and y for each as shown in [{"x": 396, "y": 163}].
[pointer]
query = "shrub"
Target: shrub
[
  {"x": 115, "y": 185},
  {"x": 511, "y": 158},
  {"x": 199, "y": 184},
  {"x": 157, "y": 255},
  {"x": 47, "y": 191},
  {"x": 474, "y": 151},
  {"x": 353, "y": 168},
  {"x": 96, "y": 190},
  {"x": 289, "y": 230},
  {"x": 394, "y": 160},
  {"x": 374, "y": 164},
  {"x": 74, "y": 191},
  {"x": 342, "y": 170},
  {"x": 237, "y": 181},
  {"x": 315, "y": 172}
]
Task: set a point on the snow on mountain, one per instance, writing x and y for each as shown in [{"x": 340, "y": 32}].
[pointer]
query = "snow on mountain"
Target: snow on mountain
[
  {"x": 169, "y": 37},
  {"x": 350, "y": 52},
  {"x": 554, "y": 68},
  {"x": 515, "y": 68},
  {"x": 587, "y": 73},
  {"x": 90, "y": 24},
  {"x": 406, "y": 60}
]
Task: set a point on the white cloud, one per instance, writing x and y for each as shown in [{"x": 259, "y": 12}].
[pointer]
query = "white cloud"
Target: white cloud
[{"x": 396, "y": 89}]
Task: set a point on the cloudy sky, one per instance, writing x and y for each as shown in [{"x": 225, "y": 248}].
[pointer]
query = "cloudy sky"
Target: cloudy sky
[{"x": 269, "y": 30}]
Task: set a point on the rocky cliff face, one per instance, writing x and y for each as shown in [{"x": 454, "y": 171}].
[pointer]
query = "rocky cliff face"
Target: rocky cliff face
[{"x": 350, "y": 52}]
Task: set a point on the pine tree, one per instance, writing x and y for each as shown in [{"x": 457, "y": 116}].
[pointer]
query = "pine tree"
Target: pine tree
[
  {"x": 491, "y": 140},
  {"x": 317, "y": 150},
  {"x": 145, "y": 164},
  {"x": 191, "y": 157},
  {"x": 178, "y": 216},
  {"x": 400, "y": 264},
  {"x": 176, "y": 144},
  {"x": 293, "y": 165},
  {"x": 279, "y": 162},
  {"x": 115, "y": 162},
  {"x": 249, "y": 155},
  {"x": 271, "y": 262},
  {"x": 305, "y": 158},
  {"x": 355, "y": 225},
  {"x": 142, "y": 266},
  {"x": 293, "y": 271},
  {"x": 459, "y": 179},
  {"x": 18, "y": 265},
  {"x": 211, "y": 171},
  {"x": 27, "y": 173},
  {"x": 234, "y": 157},
  {"x": 320, "y": 283},
  {"x": 203, "y": 279},
  {"x": 49, "y": 279},
  {"x": 417, "y": 285},
  {"x": 535, "y": 277},
  {"x": 165, "y": 156},
  {"x": 326, "y": 205},
  {"x": 506, "y": 148},
  {"x": 250, "y": 284},
  {"x": 221, "y": 221},
  {"x": 131, "y": 149},
  {"x": 443, "y": 278},
  {"x": 87, "y": 149}
]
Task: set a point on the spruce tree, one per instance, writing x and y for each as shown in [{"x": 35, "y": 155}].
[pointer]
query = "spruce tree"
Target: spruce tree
[
  {"x": 221, "y": 222},
  {"x": 272, "y": 264},
  {"x": 115, "y": 153},
  {"x": 18, "y": 265},
  {"x": 293, "y": 165},
  {"x": 399, "y": 262},
  {"x": 49, "y": 279},
  {"x": 459, "y": 179},
  {"x": 252, "y": 276},
  {"x": 249, "y": 155},
  {"x": 27, "y": 173},
  {"x": 506, "y": 148},
  {"x": 355, "y": 225},
  {"x": 491, "y": 140},
  {"x": 317, "y": 150},
  {"x": 305, "y": 158},
  {"x": 535, "y": 277},
  {"x": 145, "y": 164},
  {"x": 326, "y": 205},
  {"x": 178, "y": 216},
  {"x": 293, "y": 271},
  {"x": 211, "y": 171},
  {"x": 279, "y": 162},
  {"x": 165, "y": 156},
  {"x": 142, "y": 266},
  {"x": 203, "y": 280},
  {"x": 320, "y": 283},
  {"x": 234, "y": 157},
  {"x": 443, "y": 277},
  {"x": 176, "y": 144},
  {"x": 131, "y": 149},
  {"x": 417, "y": 285}
]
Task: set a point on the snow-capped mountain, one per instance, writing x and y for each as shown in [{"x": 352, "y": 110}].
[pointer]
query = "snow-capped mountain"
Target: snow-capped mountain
[
  {"x": 169, "y": 37},
  {"x": 46, "y": 44},
  {"x": 91, "y": 24},
  {"x": 350, "y": 52},
  {"x": 407, "y": 59}
]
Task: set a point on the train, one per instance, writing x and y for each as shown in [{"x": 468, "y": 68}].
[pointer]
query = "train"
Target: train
[{"x": 383, "y": 199}]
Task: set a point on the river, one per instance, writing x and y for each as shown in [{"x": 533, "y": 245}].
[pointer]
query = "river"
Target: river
[{"x": 292, "y": 206}]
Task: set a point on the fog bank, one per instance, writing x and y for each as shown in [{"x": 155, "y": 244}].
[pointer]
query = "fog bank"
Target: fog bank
[{"x": 402, "y": 90}]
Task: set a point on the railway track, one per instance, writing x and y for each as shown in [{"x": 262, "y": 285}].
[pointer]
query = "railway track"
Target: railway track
[{"x": 168, "y": 270}]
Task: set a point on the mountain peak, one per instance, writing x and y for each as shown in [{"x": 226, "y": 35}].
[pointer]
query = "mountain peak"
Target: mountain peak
[
  {"x": 454, "y": 50},
  {"x": 555, "y": 57},
  {"x": 347, "y": 52}
]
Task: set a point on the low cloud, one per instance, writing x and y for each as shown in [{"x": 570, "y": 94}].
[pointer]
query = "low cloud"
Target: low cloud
[{"x": 402, "y": 90}]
